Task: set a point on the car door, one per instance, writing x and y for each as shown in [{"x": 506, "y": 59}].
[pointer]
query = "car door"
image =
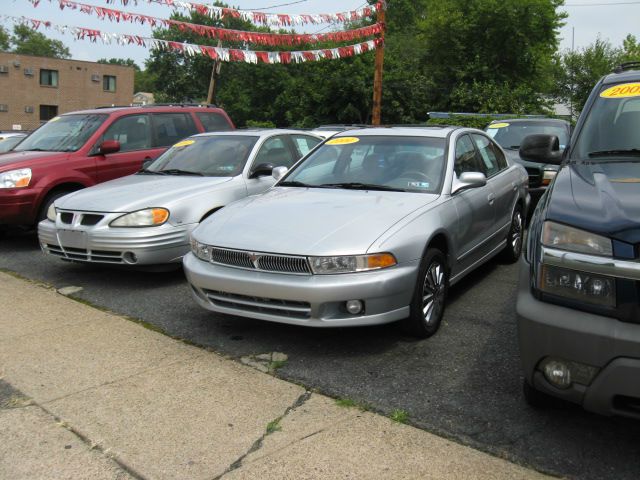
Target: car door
[
  {"x": 133, "y": 132},
  {"x": 475, "y": 208},
  {"x": 277, "y": 151},
  {"x": 503, "y": 182}
]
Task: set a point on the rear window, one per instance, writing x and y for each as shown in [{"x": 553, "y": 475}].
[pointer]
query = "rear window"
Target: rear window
[
  {"x": 213, "y": 121},
  {"x": 170, "y": 128}
]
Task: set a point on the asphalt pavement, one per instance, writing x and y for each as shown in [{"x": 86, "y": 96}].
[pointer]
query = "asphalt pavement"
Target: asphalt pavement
[{"x": 463, "y": 384}]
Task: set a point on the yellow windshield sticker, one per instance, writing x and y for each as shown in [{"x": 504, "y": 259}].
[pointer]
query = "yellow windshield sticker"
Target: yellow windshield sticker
[
  {"x": 343, "y": 141},
  {"x": 622, "y": 91},
  {"x": 54, "y": 119},
  {"x": 498, "y": 125},
  {"x": 184, "y": 143},
  {"x": 625, "y": 180}
]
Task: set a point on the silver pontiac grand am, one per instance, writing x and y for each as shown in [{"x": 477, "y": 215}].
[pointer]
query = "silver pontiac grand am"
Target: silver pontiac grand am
[
  {"x": 371, "y": 227},
  {"x": 146, "y": 218}
]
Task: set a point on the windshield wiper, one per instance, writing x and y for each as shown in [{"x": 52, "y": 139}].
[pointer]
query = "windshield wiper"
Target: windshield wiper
[
  {"x": 361, "y": 186},
  {"x": 294, "y": 184},
  {"x": 144, "y": 171},
  {"x": 177, "y": 171},
  {"x": 632, "y": 152},
  {"x": 514, "y": 147}
]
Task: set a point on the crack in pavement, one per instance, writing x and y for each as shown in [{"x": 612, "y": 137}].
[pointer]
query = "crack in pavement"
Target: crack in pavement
[{"x": 257, "y": 445}]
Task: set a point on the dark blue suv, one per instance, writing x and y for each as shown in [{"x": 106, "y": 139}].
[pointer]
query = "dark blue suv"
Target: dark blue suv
[{"x": 578, "y": 304}]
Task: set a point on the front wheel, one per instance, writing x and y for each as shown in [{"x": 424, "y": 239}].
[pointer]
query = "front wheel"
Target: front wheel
[
  {"x": 427, "y": 304},
  {"x": 513, "y": 248},
  {"x": 48, "y": 201}
]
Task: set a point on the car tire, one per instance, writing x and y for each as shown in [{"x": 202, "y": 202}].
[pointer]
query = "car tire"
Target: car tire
[
  {"x": 429, "y": 296},
  {"x": 48, "y": 200},
  {"x": 513, "y": 248}
]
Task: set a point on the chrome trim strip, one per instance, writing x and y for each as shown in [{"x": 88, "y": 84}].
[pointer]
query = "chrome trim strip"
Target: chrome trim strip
[
  {"x": 610, "y": 267},
  {"x": 266, "y": 303}
]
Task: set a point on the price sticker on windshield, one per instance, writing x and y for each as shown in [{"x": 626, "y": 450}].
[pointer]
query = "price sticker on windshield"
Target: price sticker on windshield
[
  {"x": 622, "y": 91},
  {"x": 184, "y": 143},
  {"x": 343, "y": 141},
  {"x": 499, "y": 125}
]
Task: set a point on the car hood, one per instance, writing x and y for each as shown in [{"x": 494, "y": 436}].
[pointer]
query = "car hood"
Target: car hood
[
  {"x": 136, "y": 192},
  {"x": 601, "y": 197},
  {"x": 11, "y": 160},
  {"x": 301, "y": 221}
]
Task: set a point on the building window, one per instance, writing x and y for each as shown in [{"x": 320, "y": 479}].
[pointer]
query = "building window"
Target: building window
[
  {"x": 47, "y": 112},
  {"x": 49, "y": 78},
  {"x": 109, "y": 83}
]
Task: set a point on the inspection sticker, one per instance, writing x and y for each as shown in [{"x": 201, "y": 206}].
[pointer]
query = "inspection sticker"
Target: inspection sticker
[
  {"x": 419, "y": 184},
  {"x": 499, "y": 125},
  {"x": 54, "y": 119},
  {"x": 184, "y": 143},
  {"x": 343, "y": 141},
  {"x": 622, "y": 91}
]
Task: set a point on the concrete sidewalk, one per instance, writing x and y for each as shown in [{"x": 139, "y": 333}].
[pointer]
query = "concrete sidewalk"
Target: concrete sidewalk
[{"x": 88, "y": 394}]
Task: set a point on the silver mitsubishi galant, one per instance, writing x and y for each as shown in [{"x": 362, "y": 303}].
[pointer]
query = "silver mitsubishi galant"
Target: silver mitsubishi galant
[{"x": 371, "y": 227}]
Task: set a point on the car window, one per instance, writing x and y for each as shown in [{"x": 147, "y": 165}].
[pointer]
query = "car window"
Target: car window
[
  {"x": 466, "y": 160},
  {"x": 274, "y": 151},
  {"x": 170, "y": 128},
  {"x": 131, "y": 131},
  {"x": 66, "y": 133},
  {"x": 488, "y": 155},
  {"x": 304, "y": 143},
  {"x": 510, "y": 135},
  {"x": 213, "y": 121},
  {"x": 412, "y": 163}
]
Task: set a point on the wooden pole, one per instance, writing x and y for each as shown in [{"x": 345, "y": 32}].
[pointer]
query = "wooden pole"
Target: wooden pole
[
  {"x": 215, "y": 70},
  {"x": 377, "y": 74}
]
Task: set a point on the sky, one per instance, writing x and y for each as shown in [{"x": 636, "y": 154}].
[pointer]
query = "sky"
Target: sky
[{"x": 588, "y": 19}]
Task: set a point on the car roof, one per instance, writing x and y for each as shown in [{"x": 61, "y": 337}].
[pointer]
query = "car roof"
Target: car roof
[
  {"x": 144, "y": 109},
  {"x": 530, "y": 120},
  {"x": 625, "y": 76},
  {"x": 426, "y": 131},
  {"x": 258, "y": 132}
]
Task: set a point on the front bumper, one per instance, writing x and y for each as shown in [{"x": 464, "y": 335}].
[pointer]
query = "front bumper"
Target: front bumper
[
  {"x": 117, "y": 246},
  {"x": 612, "y": 346},
  {"x": 311, "y": 300},
  {"x": 18, "y": 206}
]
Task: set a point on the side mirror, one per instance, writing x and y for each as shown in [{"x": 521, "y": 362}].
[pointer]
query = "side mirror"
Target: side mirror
[
  {"x": 261, "y": 170},
  {"x": 109, "y": 146},
  {"x": 541, "y": 148},
  {"x": 469, "y": 180},
  {"x": 279, "y": 172}
]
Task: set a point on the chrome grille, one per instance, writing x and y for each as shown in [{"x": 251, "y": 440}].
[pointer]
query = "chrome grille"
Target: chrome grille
[
  {"x": 271, "y": 306},
  {"x": 86, "y": 219},
  {"x": 82, "y": 255},
  {"x": 264, "y": 262}
]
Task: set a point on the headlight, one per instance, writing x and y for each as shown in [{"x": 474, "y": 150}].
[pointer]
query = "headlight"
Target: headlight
[
  {"x": 15, "y": 178},
  {"x": 572, "y": 239},
  {"x": 51, "y": 213},
  {"x": 575, "y": 285},
  {"x": 150, "y": 217},
  {"x": 351, "y": 263},
  {"x": 201, "y": 250}
]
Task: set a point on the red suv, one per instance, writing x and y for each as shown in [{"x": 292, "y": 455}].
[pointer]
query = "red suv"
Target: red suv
[{"x": 79, "y": 149}]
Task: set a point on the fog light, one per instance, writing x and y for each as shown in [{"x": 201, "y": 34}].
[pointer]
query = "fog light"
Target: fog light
[
  {"x": 557, "y": 373},
  {"x": 130, "y": 257},
  {"x": 354, "y": 307}
]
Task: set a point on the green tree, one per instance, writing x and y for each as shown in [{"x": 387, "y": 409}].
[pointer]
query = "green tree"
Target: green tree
[
  {"x": 30, "y": 42},
  {"x": 630, "y": 49},
  {"x": 5, "y": 39},
  {"x": 576, "y": 72}
]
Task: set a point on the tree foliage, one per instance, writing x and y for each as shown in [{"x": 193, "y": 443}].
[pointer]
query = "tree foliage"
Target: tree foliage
[
  {"x": 5, "y": 39},
  {"x": 30, "y": 42}
]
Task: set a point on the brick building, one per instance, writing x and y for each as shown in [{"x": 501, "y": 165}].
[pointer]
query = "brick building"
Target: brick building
[{"x": 36, "y": 89}]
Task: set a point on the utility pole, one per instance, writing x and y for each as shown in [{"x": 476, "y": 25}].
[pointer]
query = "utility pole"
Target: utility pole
[
  {"x": 215, "y": 71},
  {"x": 377, "y": 74}
]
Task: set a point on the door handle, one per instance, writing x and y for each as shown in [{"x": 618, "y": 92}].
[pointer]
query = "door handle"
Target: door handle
[
  {"x": 490, "y": 198},
  {"x": 514, "y": 185}
]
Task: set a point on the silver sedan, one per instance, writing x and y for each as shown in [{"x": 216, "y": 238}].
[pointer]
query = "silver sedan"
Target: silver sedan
[
  {"x": 372, "y": 227},
  {"x": 146, "y": 218}
]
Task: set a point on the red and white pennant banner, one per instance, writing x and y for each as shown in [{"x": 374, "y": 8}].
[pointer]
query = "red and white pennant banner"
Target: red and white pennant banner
[
  {"x": 272, "y": 39},
  {"x": 261, "y": 18},
  {"x": 189, "y": 49}
]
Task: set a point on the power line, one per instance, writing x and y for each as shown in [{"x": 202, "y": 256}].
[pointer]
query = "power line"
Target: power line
[{"x": 276, "y": 6}]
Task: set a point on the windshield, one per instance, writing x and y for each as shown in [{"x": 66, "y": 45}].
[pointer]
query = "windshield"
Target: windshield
[
  {"x": 611, "y": 126},
  {"x": 10, "y": 142},
  {"x": 62, "y": 134},
  {"x": 215, "y": 156},
  {"x": 510, "y": 135},
  {"x": 413, "y": 164}
]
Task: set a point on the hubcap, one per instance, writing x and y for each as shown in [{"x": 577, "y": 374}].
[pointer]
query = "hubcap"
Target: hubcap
[
  {"x": 433, "y": 292},
  {"x": 516, "y": 232}
]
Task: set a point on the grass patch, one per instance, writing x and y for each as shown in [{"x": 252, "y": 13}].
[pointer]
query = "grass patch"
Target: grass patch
[
  {"x": 400, "y": 416},
  {"x": 273, "y": 426},
  {"x": 350, "y": 403},
  {"x": 276, "y": 364}
]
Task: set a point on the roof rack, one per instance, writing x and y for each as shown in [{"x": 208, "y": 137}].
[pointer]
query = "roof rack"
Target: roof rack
[
  {"x": 153, "y": 105},
  {"x": 635, "y": 65}
]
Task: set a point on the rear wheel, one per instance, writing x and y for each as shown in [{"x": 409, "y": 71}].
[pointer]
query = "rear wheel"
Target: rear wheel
[
  {"x": 427, "y": 304},
  {"x": 513, "y": 248}
]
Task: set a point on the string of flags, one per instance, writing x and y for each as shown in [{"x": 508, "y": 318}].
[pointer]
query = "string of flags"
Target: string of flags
[
  {"x": 260, "y": 18},
  {"x": 188, "y": 49},
  {"x": 261, "y": 38}
]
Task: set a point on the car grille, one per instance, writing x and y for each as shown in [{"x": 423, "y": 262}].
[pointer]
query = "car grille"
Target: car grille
[
  {"x": 264, "y": 262},
  {"x": 271, "y": 306},
  {"x": 86, "y": 219},
  {"x": 82, "y": 255}
]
